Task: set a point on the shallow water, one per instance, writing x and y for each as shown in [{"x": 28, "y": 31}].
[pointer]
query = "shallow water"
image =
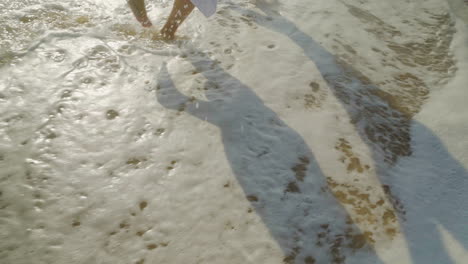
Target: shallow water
[{"x": 300, "y": 132}]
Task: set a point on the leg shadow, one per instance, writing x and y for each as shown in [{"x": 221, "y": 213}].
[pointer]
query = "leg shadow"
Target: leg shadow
[
  {"x": 386, "y": 126},
  {"x": 433, "y": 183},
  {"x": 276, "y": 169}
]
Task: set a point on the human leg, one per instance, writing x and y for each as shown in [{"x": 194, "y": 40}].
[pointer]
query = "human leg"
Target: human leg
[
  {"x": 180, "y": 11},
  {"x": 139, "y": 10}
]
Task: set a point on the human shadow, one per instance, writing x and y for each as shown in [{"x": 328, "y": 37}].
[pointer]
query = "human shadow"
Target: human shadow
[
  {"x": 275, "y": 168},
  {"x": 386, "y": 127}
]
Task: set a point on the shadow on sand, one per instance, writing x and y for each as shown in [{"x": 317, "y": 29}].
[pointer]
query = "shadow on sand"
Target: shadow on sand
[
  {"x": 276, "y": 169},
  {"x": 430, "y": 181}
]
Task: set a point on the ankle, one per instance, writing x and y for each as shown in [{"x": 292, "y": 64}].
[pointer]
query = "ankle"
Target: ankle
[{"x": 168, "y": 32}]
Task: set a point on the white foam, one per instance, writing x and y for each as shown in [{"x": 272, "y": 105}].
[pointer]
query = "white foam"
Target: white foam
[{"x": 103, "y": 161}]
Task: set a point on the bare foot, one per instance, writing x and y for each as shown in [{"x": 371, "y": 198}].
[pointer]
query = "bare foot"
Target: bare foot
[
  {"x": 146, "y": 23},
  {"x": 168, "y": 37}
]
